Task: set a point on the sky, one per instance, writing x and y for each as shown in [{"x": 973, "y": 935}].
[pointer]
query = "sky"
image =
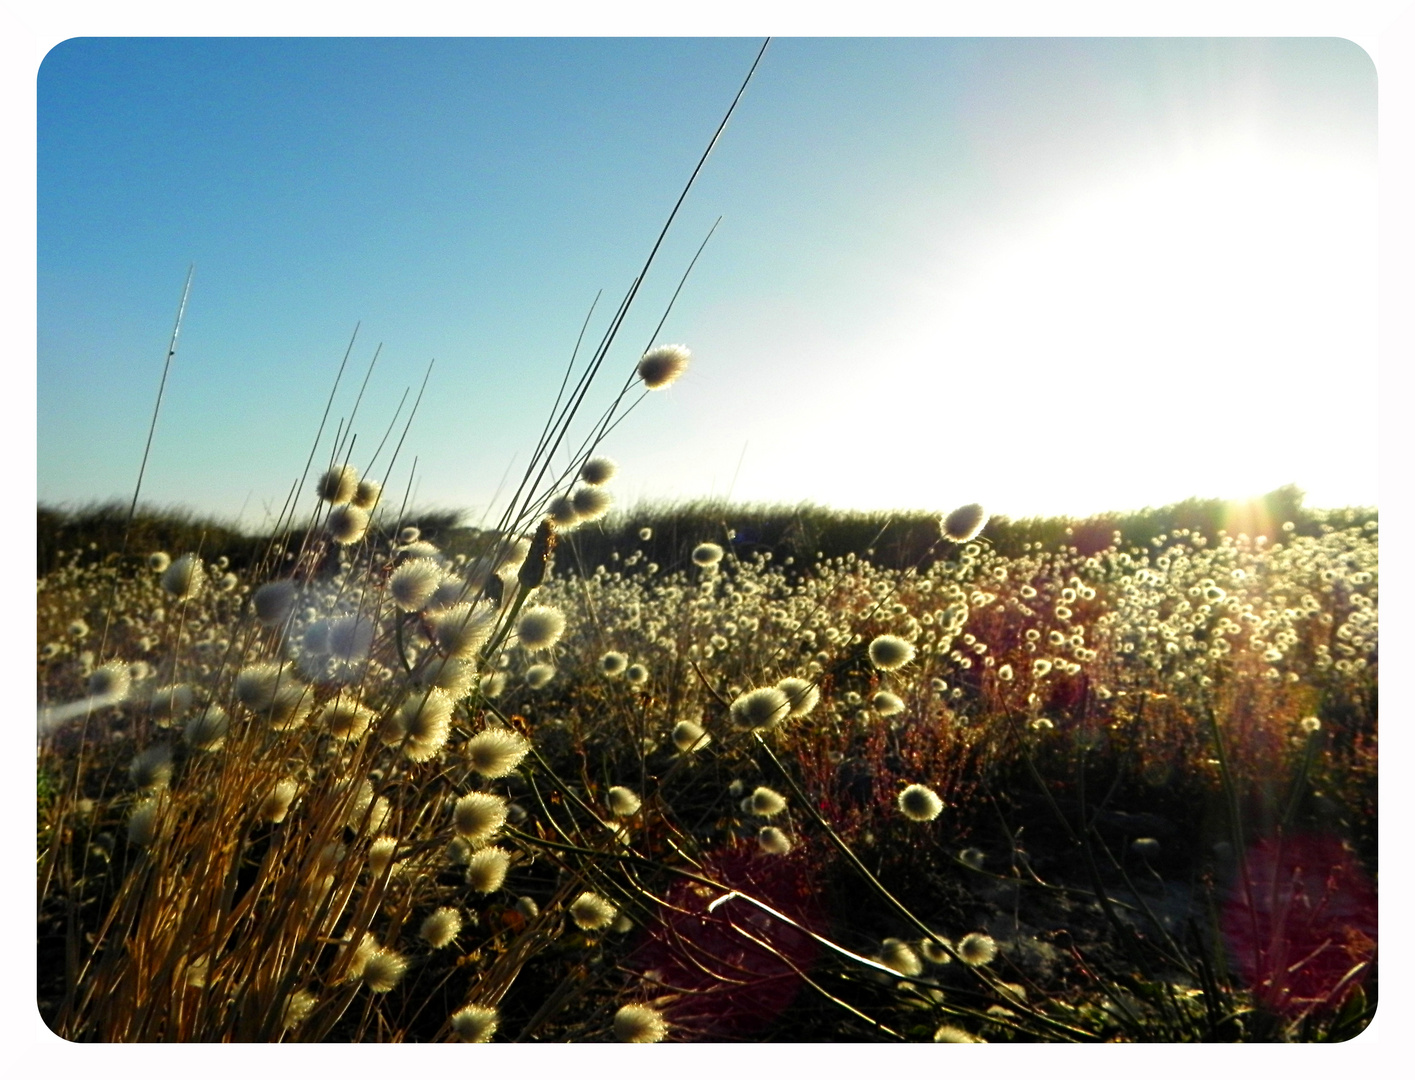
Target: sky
[{"x": 1050, "y": 275}]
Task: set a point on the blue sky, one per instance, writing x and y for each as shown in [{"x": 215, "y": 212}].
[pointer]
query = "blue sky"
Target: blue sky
[{"x": 1050, "y": 275}]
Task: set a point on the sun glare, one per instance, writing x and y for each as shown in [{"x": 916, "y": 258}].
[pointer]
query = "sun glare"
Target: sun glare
[{"x": 1181, "y": 333}]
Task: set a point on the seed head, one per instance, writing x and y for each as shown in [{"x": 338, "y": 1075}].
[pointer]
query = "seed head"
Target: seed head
[
  {"x": 172, "y": 701},
  {"x": 598, "y": 471},
  {"x": 561, "y": 512},
  {"x": 274, "y": 694},
  {"x": 184, "y": 577},
  {"x": 339, "y": 485},
  {"x": 347, "y": 524},
  {"x": 207, "y": 729},
  {"x": 486, "y": 869},
  {"x": 495, "y": 752},
  {"x": 897, "y": 955},
  {"x": 475, "y": 1023},
  {"x": 766, "y": 803},
  {"x": 298, "y": 1006},
  {"x": 111, "y": 682},
  {"x": 889, "y": 653},
  {"x": 950, "y": 1034},
  {"x": 447, "y": 673},
  {"x": 274, "y": 601},
  {"x": 145, "y": 822},
  {"x": 592, "y": 912},
  {"x": 622, "y": 801},
  {"x": 419, "y": 549},
  {"x": 367, "y": 494},
  {"x": 380, "y": 854},
  {"x": 414, "y": 582},
  {"x": 537, "y": 675},
  {"x": 919, "y": 803},
  {"x": 377, "y": 818},
  {"x": 532, "y": 570},
  {"x": 887, "y": 704},
  {"x": 772, "y": 840},
  {"x": 344, "y": 718},
  {"x": 348, "y": 638},
  {"x": 276, "y": 803},
  {"x": 661, "y": 367},
  {"x": 439, "y": 928},
  {"x": 159, "y": 561},
  {"x": 613, "y": 663},
  {"x": 688, "y": 736},
  {"x": 424, "y": 720},
  {"x": 803, "y": 695},
  {"x": 639, "y": 1024},
  {"x": 255, "y": 685},
  {"x": 463, "y": 629},
  {"x": 934, "y": 953},
  {"x": 478, "y": 816},
  {"x": 540, "y": 628},
  {"x": 964, "y": 523},
  {"x": 591, "y": 503},
  {"x": 977, "y": 949},
  {"x": 706, "y": 554},
  {"x": 761, "y": 709},
  {"x": 383, "y": 970},
  {"x": 637, "y": 674},
  {"x": 152, "y": 768},
  {"x": 1311, "y": 725}
]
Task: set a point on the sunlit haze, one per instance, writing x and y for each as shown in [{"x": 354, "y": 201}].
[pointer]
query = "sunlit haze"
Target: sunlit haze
[{"x": 1051, "y": 276}]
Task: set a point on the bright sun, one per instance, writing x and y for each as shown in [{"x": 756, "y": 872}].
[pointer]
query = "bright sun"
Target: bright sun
[{"x": 1188, "y": 332}]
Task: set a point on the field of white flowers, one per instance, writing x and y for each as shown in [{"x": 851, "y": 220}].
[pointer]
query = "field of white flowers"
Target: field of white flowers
[{"x": 374, "y": 791}]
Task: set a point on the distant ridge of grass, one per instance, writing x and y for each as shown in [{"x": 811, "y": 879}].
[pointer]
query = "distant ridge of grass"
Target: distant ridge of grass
[
  {"x": 901, "y": 538},
  {"x": 894, "y": 539},
  {"x": 94, "y": 530}
]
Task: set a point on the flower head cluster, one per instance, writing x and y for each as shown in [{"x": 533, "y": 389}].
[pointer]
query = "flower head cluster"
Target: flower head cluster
[
  {"x": 639, "y": 1024},
  {"x": 890, "y": 653},
  {"x": 441, "y": 927},
  {"x": 707, "y": 554},
  {"x": 540, "y": 628},
  {"x": 475, "y": 1023},
  {"x": 977, "y": 949},
  {"x": 495, "y": 752},
  {"x": 663, "y": 365},
  {"x": 803, "y": 695},
  {"x": 761, "y": 709},
  {"x": 964, "y": 524},
  {"x": 339, "y": 484},
  {"x": 478, "y": 816},
  {"x": 486, "y": 869},
  {"x": 919, "y": 803},
  {"x": 592, "y": 911},
  {"x": 183, "y": 579},
  {"x": 597, "y": 471},
  {"x": 688, "y": 736}
]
